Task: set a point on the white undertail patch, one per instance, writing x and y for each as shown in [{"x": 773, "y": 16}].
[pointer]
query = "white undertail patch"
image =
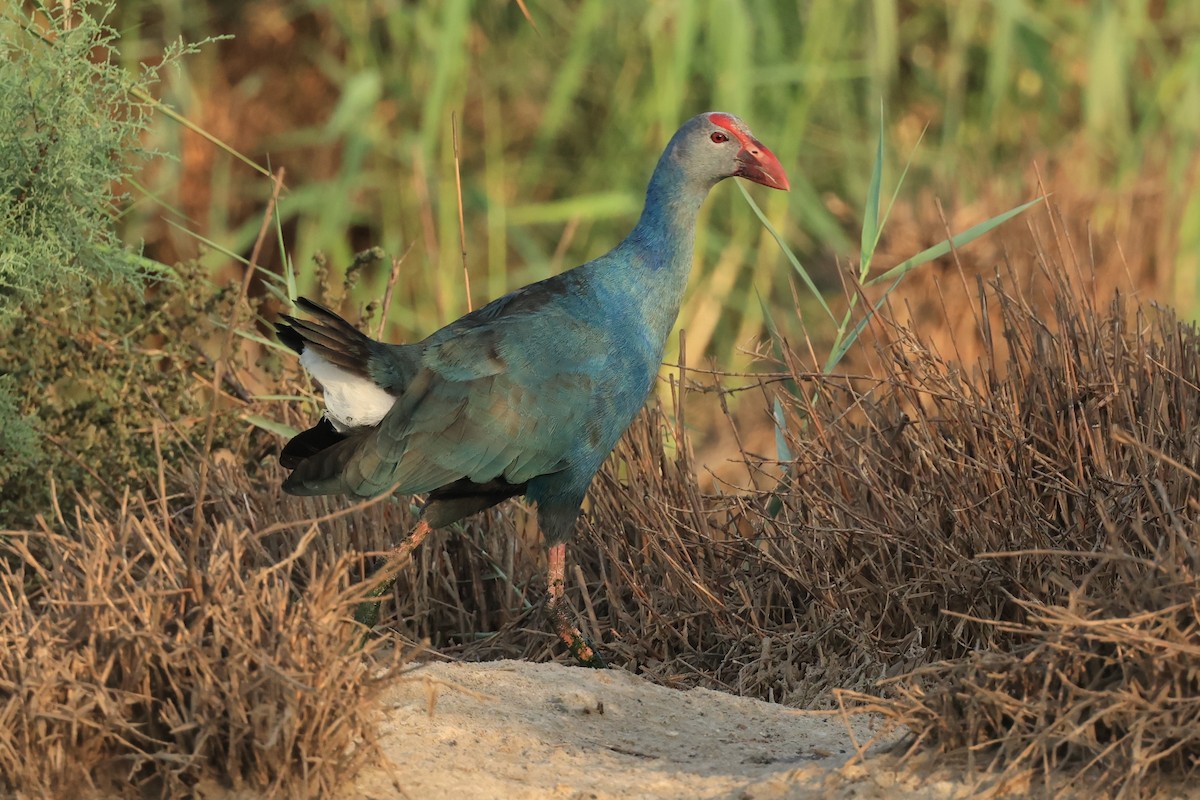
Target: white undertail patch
[{"x": 351, "y": 401}]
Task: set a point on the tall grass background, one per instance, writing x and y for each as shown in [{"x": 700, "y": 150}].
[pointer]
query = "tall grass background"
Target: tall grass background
[{"x": 560, "y": 124}]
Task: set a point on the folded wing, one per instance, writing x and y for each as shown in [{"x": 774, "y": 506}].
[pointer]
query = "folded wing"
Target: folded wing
[{"x": 498, "y": 398}]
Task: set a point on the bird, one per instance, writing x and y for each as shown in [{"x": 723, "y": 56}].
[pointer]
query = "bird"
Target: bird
[{"x": 527, "y": 395}]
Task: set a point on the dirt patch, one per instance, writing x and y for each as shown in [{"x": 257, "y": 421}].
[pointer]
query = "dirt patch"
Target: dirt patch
[{"x": 511, "y": 729}]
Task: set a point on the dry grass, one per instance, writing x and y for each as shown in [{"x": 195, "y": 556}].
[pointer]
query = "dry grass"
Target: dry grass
[
  {"x": 1009, "y": 546},
  {"x": 1029, "y": 526},
  {"x": 1067, "y": 495},
  {"x": 127, "y": 668}
]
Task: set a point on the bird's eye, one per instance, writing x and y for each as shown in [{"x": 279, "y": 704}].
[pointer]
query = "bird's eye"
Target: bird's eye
[{"x": 718, "y": 137}]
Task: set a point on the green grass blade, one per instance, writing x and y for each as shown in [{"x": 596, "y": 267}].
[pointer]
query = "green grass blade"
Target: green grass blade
[
  {"x": 271, "y": 426},
  {"x": 783, "y": 453},
  {"x": 264, "y": 341},
  {"x": 940, "y": 249},
  {"x": 871, "y": 227},
  {"x": 903, "y": 175},
  {"x": 209, "y": 243},
  {"x": 838, "y": 352},
  {"x": 147, "y": 266},
  {"x": 171, "y": 114},
  {"x": 787, "y": 251},
  {"x": 772, "y": 328},
  {"x": 598, "y": 205},
  {"x": 289, "y": 266}
]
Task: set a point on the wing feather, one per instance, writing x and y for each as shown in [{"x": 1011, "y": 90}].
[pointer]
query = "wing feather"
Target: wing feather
[
  {"x": 502, "y": 394},
  {"x": 473, "y": 414}
]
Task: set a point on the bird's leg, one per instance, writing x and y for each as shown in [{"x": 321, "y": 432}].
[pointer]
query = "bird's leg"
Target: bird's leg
[
  {"x": 367, "y": 612},
  {"x": 580, "y": 646}
]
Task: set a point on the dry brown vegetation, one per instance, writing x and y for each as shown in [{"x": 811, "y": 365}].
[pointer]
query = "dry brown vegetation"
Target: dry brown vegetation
[
  {"x": 1030, "y": 528},
  {"x": 1010, "y": 546},
  {"x": 137, "y": 659}
]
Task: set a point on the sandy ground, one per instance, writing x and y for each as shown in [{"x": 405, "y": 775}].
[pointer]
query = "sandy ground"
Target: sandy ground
[{"x": 516, "y": 730}]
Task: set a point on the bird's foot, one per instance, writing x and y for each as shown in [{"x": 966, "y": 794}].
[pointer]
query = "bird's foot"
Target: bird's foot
[
  {"x": 367, "y": 612},
  {"x": 585, "y": 652},
  {"x": 581, "y": 647}
]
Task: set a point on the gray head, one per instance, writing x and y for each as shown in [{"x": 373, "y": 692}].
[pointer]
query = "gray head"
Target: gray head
[{"x": 713, "y": 146}]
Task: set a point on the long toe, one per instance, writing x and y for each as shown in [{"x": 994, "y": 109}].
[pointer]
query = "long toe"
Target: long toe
[
  {"x": 581, "y": 647},
  {"x": 585, "y": 652},
  {"x": 367, "y": 613}
]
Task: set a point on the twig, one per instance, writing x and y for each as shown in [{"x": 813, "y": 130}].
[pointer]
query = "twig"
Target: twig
[
  {"x": 528, "y": 16},
  {"x": 218, "y": 375},
  {"x": 462, "y": 228},
  {"x": 388, "y": 290}
]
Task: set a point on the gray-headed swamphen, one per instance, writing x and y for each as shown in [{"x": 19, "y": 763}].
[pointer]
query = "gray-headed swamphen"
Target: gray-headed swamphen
[{"x": 527, "y": 395}]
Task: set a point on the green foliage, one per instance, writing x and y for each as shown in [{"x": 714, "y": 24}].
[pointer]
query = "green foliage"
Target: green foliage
[
  {"x": 97, "y": 374},
  {"x": 70, "y": 129},
  {"x": 69, "y": 135},
  {"x": 559, "y": 129},
  {"x": 19, "y": 448}
]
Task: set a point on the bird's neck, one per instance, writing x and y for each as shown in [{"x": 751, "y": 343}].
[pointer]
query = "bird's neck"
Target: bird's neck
[
  {"x": 653, "y": 263},
  {"x": 666, "y": 232}
]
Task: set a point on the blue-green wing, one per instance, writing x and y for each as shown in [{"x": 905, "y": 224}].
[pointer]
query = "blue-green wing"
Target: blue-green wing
[{"x": 507, "y": 399}]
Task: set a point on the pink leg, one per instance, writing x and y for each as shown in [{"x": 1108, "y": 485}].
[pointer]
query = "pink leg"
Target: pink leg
[
  {"x": 367, "y": 612},
  {"x": 579, "y": 645}
]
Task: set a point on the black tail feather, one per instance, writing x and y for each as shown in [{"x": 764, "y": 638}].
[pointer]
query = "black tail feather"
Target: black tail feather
[
  {"x": 324, "y": 471},
  {"x": 330, "y": 336},
  {"x": 288, "y": 336},
  {"x": 307, "y": 444},
  {"x": 330, "y": 318}
]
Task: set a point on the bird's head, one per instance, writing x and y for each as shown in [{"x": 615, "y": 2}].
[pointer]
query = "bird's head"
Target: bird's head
[{"x": 717, "y": 145}]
